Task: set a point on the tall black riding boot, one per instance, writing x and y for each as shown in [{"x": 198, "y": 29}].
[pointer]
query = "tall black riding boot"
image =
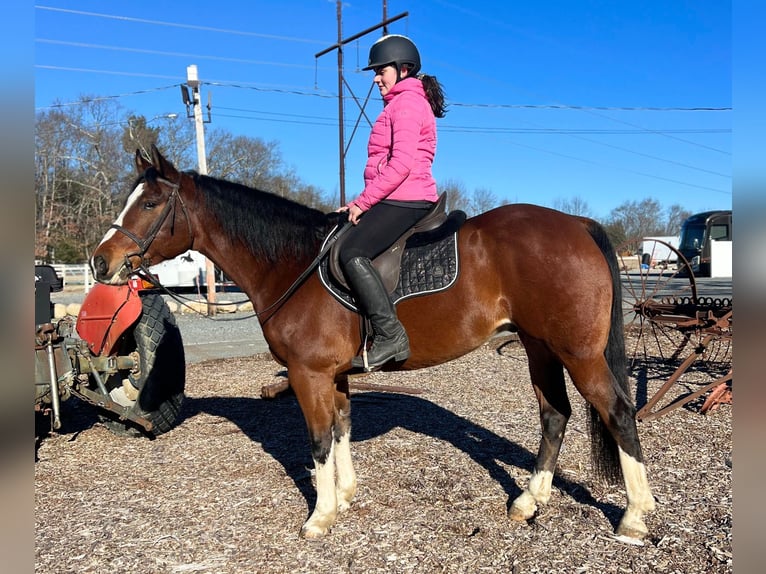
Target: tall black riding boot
[{"x": 390, "y": 340}]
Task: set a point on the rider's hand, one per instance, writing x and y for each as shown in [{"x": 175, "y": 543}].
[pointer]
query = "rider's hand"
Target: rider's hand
[{"x": 354, "y": 212}]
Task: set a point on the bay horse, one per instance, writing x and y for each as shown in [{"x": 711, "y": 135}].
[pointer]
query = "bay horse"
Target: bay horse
[{"x": 550, "y": 277}]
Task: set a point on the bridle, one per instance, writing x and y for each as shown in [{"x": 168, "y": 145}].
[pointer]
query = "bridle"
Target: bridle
[{"x": 145, "y": 243}]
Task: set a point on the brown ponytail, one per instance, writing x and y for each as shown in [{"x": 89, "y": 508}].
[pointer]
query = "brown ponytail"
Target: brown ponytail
[{"x": 435, "y": 94}]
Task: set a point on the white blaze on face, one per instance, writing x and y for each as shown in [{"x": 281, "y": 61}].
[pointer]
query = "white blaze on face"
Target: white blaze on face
[{"x": 133, "y": 199}]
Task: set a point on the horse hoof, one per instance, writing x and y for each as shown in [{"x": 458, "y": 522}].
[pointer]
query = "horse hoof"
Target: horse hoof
[
  {"x": 523, "y": 508},
  {"x": 312, "y": 532},
  {"x": 636, "y": 531}
]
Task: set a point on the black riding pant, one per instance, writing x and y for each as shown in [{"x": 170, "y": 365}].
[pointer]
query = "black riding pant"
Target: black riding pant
[{"x": 379, "y": 227}]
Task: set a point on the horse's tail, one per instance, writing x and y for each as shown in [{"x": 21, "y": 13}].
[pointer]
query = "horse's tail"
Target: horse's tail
[{"x": 604, "y": 450}]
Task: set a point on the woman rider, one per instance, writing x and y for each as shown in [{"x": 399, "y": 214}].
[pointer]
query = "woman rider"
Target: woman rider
[{"x": 399, "y": 188}]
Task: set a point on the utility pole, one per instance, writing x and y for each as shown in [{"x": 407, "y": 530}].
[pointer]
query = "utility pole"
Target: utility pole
[
  {"x": 341, "y": 133},
  {"x": 192, "y": 80},
  {"x": 341, "y": 81}
]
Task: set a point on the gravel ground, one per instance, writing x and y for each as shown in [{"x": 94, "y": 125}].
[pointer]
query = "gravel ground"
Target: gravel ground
[{"x": 228, "y": 489}]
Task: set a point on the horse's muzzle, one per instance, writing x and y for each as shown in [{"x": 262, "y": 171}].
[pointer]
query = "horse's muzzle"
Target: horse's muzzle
[{"x": 101, "y": 272}]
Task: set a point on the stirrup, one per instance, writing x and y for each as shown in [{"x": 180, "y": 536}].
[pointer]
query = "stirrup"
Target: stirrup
[{"x": 362, "y": 361}]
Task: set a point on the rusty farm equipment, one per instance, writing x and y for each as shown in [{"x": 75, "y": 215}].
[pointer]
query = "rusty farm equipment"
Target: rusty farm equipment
[{"x": 673, "y": 333}]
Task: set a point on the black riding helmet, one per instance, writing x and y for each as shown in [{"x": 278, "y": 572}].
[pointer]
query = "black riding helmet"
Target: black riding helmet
[{"x": 394, "y": 49}]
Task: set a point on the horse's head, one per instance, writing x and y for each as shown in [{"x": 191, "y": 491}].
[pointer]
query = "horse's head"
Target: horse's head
[{"x": 152, "y": 227}]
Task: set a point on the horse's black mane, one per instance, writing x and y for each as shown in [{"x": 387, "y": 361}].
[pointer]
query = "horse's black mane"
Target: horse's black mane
[{"x": 270, "y": 226}]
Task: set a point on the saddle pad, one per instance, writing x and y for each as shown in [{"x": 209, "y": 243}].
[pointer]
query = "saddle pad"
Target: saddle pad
[{"x": 426, "y": 268}]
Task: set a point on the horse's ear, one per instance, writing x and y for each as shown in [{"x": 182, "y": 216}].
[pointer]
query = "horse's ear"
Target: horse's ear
[
  {"x": 157, "y": 158},
  {"x": 162, "y": 165},
  {"x": 142, "y": 164}
]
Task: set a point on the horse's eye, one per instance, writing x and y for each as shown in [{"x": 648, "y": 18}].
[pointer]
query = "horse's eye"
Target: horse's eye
[{"x": 150, "y": 205}]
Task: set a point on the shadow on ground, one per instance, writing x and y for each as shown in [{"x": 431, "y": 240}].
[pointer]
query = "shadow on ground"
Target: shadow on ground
[{"x": 279, "y": 427}]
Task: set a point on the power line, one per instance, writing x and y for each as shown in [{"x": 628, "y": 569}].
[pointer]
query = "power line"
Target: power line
[
  {"x": 649, "y": 175},
  {"x": 86, "y": 100},
  {"x": 650, "y": 156},
  {"x": 171, "y": 54},
  {"x": 592, "y": 109},
  {"x": 293, "y": 91},
  {"x": 445, "y": 127},
  {"x": 574, "y": 133},
  {"x": 586, "y": 108},
  {"x": 328, "y": 95},
  {"x": 186, "y": 26},
  {"x": 305, "y": 120},
  {"x": 275, "y": 90},
  {"x": 570, "y": 131}
]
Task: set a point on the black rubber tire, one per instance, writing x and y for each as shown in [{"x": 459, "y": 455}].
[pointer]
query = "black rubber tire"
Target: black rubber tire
[{"x": 162, "y": 377}]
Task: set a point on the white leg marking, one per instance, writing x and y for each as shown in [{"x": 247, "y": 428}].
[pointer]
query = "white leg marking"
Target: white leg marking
[
  {"x": 326, "y": 510},
  {"x": 346, "y": 487},
  {"x": 538, "y": 491},
  {"x": 540, "y": 486},
  {"x": 640, "y": 499}
]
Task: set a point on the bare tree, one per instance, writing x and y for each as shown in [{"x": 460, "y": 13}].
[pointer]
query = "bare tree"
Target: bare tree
[
  {"x": 634, "y": 220},
  {"x": 479, "y": 201},
  {"x": 675, "y": 215},
  {"x": 84, "y": 169},
  {"x": 250, "y": 161},
  {"x": 258, "y": 164},
  {"x": 78, "y": 168},
  {"x": 574, "y": 206},
  {"x": 483, "y": 200},
  {"x": 457, "y": 197}
]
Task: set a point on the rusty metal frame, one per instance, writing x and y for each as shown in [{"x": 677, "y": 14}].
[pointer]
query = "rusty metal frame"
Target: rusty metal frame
[
  {"x": 721, "y": 330},
  {"x": 710, "y": 319}
]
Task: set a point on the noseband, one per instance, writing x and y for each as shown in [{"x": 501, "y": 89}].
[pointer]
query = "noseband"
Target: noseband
[{"x": 143, "y": 244}]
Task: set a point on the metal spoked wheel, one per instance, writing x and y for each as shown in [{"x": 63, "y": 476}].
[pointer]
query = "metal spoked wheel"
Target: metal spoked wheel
[
  {"x": 672, "y": 334},
  {"x": 654, "y": 284}
]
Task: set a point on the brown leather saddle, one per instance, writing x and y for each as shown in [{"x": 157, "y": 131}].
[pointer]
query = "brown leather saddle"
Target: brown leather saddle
[{"x": 388, "y": 263}]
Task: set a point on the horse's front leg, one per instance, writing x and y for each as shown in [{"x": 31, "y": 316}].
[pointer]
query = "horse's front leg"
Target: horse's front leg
[
  {"x": 315, "y": 393},
  {"x": 346, "y": 479}
]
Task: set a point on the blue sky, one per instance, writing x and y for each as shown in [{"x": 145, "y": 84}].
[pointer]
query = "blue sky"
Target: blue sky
[{"x": 548, "y": 101}]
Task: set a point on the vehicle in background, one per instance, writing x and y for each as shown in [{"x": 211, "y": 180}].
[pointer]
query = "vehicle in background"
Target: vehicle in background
[
  {"x": 187, "y": 273},
  {"x": 658, "y": 251},
  {"x": 698, "y": 233}
]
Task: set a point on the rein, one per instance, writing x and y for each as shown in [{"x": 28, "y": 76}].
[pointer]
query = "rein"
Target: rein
[
  {"x": 144, "y": 244},
  {"x": 334, "y": 234}
]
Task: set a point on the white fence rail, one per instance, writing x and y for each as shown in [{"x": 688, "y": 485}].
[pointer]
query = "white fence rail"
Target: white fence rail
[{"x": 75, "y": 275}]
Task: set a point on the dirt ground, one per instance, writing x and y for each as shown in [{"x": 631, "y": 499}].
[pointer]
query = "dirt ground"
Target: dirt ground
[{"x": 228, "y": 489}]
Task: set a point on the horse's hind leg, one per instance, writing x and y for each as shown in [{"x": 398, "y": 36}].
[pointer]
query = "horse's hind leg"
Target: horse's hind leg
[
  {"x": 617, "y": 412},
  {"x": 548, "y": 382},
  {"x": 640, "y": 499}
]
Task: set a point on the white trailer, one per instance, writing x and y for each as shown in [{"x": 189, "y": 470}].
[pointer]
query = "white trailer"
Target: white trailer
[
  {"x": 654, "y": 250},
  {"x": 186, "y": 271}
]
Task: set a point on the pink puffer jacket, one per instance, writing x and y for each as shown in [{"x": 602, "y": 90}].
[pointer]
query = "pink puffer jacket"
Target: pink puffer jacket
[{"x": 401, "y": 149}]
